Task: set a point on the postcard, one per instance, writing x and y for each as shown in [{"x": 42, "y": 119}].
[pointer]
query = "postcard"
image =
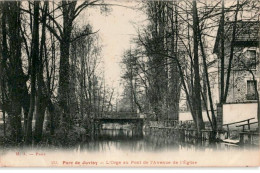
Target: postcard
[{"x": 129, "y": 83}]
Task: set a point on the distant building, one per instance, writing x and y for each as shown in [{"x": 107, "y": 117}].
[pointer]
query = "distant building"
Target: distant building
[
  {"x": 246, "y": 57},
  {"x": 241, "y": 100},
  {"x": 241, "y": 95}
]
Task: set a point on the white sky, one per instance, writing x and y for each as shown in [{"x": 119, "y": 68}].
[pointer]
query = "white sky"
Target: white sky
[{"x": 116, "y": 29}]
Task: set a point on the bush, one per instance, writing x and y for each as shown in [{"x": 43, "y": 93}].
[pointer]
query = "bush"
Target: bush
[{"x": 69, "y": 137}]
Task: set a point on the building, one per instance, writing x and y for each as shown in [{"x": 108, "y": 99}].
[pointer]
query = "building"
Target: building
[{"x": 244, "y": 80}]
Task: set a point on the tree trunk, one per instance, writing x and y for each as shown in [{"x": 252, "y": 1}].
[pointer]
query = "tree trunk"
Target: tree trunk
[
  {"x": 16, "y": 80},
  {"x": 51, "y": 110},
  {"x": 64, "y": 72},
  {"x": 15, "y": 120},
  {"x": 257, "y": 98},
  {"x": 222, "y": 65},
  {"x": 197, "y": 87},
  {"x": 64, "y": 80},
  {"x": 231, "y": 55},
  {"x": 41, "y": 89},
  {"x": 34, "y": 64},
  {"x": 214, "y": 125},
  {"x": 175, "y": 81},
  {"x": 258, "y": 104},
  {"x": 2, "y": 76}
]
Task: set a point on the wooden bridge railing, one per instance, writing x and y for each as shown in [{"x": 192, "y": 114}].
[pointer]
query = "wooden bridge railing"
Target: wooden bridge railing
[
  {"x": 247, "y": 124},
  {"x": 246, "y": 120}
]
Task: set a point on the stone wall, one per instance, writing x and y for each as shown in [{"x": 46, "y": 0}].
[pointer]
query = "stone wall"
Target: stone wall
[{"x": 239, "y": 74}]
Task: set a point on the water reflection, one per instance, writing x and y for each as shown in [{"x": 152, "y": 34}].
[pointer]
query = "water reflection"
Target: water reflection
[{"x": 130, "y": 140}]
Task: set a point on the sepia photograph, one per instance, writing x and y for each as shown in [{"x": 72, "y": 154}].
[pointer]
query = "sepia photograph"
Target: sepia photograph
[{"x": 129, "y": 83}]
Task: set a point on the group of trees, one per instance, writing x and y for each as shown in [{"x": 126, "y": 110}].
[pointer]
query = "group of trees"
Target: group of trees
[
  {"x": 173, "y": 54},
  {"x": 49, "y": 66},
  {"x": 49, "y": 63}
]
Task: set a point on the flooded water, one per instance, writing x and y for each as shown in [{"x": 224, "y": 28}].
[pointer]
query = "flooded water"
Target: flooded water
[
  {"x": 128, "y": 140},
  {"x": 128, "y": 147}
]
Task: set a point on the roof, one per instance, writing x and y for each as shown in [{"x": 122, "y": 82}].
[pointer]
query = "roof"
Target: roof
[{"x": 247, "y": 34}]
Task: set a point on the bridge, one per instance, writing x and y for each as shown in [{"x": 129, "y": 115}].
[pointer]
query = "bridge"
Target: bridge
[
  {"x": 135, "y": 121},
  {"x": 123, "y": 120},
  {"x": 112, "y": 114}
]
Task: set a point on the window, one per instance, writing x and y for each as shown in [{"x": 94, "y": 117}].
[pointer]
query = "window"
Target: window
[
  {"x": 251, "y": 92},
  {"x": 250, "y": 59}
]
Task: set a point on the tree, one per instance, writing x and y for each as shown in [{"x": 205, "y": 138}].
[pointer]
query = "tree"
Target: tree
[
  {"x": 41, "y": 99},
  {"x": 86, "y": 88},
  {"x": 231, "y": 54},
  {"x": 16, "y": 90},
  {"x": 131, "y": 77},
  {"x": 70, "y": 11},
  {"x": 197, "y": 87},
  {"x": 159, "y": 39},
  {"x": 34, "y": 64},
  {"x": 30, "y": 31}
]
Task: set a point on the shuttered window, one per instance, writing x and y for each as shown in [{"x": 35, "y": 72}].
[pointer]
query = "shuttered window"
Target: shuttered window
[
  {"x": 251, "y": 59},
  {"x": 251, "y": 92}
]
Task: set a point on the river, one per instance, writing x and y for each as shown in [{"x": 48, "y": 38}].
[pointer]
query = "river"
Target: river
[
  {"x": 126, "y": 147},
  {"x": 112, "y": 140}
]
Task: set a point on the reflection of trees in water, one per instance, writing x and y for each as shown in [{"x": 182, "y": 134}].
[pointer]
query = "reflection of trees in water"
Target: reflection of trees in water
[
  {"x": 120, "y": 134},
  {"x": 122, "y": 139}
]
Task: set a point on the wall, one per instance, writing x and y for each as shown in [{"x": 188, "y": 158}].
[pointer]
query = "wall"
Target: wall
[
  {"x": 239, "y": 76},
  {"x": 239, "y": 111}
]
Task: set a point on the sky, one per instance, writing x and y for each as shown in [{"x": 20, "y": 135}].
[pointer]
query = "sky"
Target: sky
[{"x": 115, "y": 30}]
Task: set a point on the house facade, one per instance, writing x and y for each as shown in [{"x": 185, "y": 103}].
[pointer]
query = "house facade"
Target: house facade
[
  {"x": 245, "y": 68},
  {"x": 244, "y": 82}
]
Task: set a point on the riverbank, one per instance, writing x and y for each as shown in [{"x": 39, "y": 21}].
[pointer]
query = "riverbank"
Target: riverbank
[{"x": 187, "y": 129}]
